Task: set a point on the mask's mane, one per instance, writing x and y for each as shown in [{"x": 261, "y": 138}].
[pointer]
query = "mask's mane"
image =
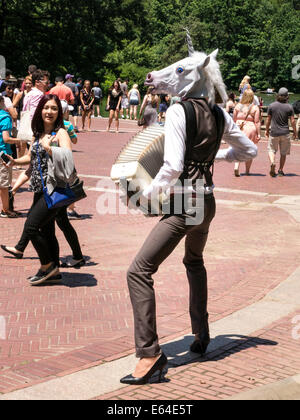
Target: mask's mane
[{"x": 214, "y": 80}]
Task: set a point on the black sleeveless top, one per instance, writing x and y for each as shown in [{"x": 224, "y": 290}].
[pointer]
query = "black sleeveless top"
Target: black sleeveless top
[{"x": 35, "y": 182}]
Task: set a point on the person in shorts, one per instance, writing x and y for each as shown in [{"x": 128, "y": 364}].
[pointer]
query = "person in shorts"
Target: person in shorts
[
  {"x": 134, "y": 100},
  {"x": 279, "y": 114},
  {"x": 70, "y": 84},
  {"x": 5, "y": 172},
  {"x": 113, "y": 104},
  {"x": 98, "y": 96},
  {"x": 124, "y": 100}
]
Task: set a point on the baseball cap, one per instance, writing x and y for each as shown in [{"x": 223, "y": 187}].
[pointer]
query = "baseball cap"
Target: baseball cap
[
  {"x": 69, "y": 76},
  {"x": 283, "y": 91}
]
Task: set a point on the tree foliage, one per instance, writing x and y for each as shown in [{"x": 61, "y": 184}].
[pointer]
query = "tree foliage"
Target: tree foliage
[{"x": 105, "y": 39}]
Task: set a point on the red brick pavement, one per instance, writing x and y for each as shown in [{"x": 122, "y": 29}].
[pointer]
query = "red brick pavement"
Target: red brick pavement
[
  {"x": 269, "y": 355},
  {"x": 87, "y": 320}
]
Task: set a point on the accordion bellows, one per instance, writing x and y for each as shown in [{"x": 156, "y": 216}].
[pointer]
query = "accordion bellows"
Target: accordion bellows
[{"x": 141, "y": 159}]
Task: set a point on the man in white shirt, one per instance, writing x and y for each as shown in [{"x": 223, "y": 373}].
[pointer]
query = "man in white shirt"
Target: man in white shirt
[
  {"x": 40, "y": 81},
  {"x": 182, "y": 160}
]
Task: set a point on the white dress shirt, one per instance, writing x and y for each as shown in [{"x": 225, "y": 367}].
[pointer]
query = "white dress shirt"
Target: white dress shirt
[
  {"x": 241, "y": 149},
  {"x": 31, "y": 101}
]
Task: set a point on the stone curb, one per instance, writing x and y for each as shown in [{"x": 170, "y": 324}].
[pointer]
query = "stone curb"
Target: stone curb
[{"x": 287, "y": 389}]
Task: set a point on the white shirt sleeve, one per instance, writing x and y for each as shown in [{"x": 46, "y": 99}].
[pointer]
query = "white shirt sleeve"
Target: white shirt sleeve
[
  {"x": 241, "y": 149},
  {"x": 174, "y": 151},
  {"x": 256, "y": 100},
  {"x": 7, "y": 102}
]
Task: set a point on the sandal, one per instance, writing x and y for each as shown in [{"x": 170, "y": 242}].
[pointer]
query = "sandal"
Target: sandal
[
  {"x": 8, "y": 214},
  {"x": 18, "y": 255}
]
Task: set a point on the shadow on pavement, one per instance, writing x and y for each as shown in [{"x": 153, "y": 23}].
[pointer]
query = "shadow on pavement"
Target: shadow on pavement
[
  {"x": 219, "y": 348},
  {"x": 253, "y": 174},
  {"x": 290, "y": 175},
  {"x": 78, "y": 280}
]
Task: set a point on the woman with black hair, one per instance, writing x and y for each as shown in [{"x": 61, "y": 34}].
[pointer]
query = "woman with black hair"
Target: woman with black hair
[
  {"x": 52, "y": 156},
  {"x": 113, "y": 104},
  {"x": 87, "y": 99}
]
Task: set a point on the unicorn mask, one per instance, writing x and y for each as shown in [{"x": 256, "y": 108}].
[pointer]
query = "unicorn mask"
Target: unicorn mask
[{"x": 193, "y": 77}]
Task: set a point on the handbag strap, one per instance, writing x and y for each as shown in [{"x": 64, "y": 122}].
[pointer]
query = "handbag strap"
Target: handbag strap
[{"x": 243, "y": 123}]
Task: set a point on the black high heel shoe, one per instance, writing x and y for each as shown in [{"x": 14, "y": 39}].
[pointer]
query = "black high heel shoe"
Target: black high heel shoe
[
  {"x": 201, "y": 342},
  {"x": 158, "y": 365}
]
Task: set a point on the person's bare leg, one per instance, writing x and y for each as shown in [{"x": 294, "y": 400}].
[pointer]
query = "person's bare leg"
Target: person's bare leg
[
  {"x": 248, "y": 166},
  {"x": 236, "y": 169},
  {"x": 272, "y": 161},
  {"x": 89, "y": 120},
  {"x": 282, "y": 162},
  {"x": 272, "y": 158},
  {"x": 83, "y": 117},
  {"x": 5, "y": 199},
  {"x": 117, "y": 121},
  {"x": 111, "y": 114}
]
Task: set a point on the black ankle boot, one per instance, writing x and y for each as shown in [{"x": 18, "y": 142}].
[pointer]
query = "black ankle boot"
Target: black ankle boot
[
  {"x": 202, "y": 340},
  {"x": 201, "y": 343}
]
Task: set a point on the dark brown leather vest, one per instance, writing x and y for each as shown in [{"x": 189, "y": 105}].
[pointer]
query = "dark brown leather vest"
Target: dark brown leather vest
[{"x": 205, "y": 128}]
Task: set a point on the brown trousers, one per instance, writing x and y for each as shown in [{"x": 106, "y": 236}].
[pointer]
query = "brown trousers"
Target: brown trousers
[{"x": 161, "y": 242}]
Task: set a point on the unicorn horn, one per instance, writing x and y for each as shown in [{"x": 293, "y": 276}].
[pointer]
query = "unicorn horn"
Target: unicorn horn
[{"x": 189, "y": 42}]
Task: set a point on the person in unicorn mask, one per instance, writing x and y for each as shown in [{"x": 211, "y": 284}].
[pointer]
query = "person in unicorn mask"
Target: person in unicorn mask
[{"x": 194, "y": 129}]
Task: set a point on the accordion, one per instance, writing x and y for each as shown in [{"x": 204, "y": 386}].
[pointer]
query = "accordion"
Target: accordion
[{"x": 139, "y": 162}]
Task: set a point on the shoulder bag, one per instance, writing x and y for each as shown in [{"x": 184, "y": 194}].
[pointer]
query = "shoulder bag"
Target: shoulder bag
[
  {"x": 25, "y": 131},
  {"x": 61, "y": 197}
]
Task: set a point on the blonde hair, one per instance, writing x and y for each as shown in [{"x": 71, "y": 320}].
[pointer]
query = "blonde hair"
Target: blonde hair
[
  {"x": 248, "y": 97},
  {"x": 154, "y": 98},
  {"x": 245, "y": 80},
  {"x": 135, "y": 86}
]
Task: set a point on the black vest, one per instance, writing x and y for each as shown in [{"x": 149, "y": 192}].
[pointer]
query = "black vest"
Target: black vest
[{"x": 204, "y": 129}]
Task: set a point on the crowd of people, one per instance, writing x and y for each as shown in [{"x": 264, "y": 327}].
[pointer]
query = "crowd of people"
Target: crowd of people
[
  {"x": 34, "y": 118},
  {"x": 42, "y": 143},
  {"x": 247, "y": 114},
  {"x": 43, "y": 138},
  {"x": 125, "y": 102}
]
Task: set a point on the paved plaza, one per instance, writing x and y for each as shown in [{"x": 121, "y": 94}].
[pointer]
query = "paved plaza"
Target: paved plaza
[{"x": 75, "y": 340}]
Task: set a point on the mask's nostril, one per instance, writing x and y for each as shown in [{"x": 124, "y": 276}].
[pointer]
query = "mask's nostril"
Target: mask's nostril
[{"x": 149, "y": 77}]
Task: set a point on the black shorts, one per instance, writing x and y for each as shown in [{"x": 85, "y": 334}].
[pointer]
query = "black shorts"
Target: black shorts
[
  {"x": 97, "y": 101},
  {"x": 74, "y": 113}
]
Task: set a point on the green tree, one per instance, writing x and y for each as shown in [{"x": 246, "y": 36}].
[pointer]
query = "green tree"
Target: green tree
[{"x": 128, "y": 38}]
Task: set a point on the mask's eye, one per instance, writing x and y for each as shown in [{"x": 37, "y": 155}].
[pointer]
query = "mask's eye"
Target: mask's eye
[{"x": 180, "y": 69}]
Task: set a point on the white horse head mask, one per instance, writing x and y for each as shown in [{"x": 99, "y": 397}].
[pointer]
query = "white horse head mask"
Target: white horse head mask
[{"x": 193, "y": 77}]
